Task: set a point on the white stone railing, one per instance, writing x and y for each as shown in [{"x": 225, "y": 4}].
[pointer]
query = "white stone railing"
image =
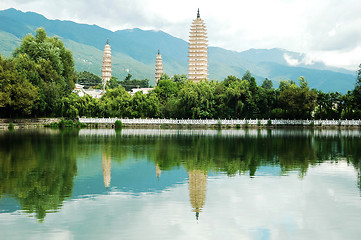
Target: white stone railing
[{"x": 277, "y": 122}]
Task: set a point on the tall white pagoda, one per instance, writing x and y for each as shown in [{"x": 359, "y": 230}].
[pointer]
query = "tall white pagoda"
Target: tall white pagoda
[
  {"x": 198, "y": 50},
  {"x": 107, "y": 65},
  {"x": 158, "y": 67}
]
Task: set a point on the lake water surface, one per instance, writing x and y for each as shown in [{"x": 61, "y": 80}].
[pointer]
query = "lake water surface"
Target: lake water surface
[{"x": 180, "y": 184}]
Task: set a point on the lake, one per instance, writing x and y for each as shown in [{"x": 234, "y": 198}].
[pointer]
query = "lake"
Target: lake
[{"x": 180, "y": 184}]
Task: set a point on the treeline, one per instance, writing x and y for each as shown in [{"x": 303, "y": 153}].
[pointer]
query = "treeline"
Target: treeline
[
  {"x": 232, "y": 98},
  {"x": 39, "y": 79},
  {"x": 91, "y": 81}
]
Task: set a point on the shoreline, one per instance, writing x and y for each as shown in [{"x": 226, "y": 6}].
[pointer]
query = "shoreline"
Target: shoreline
[{"x": 108, "y": 123}]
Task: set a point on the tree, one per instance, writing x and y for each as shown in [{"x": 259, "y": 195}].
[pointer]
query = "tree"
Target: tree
[
  {"x": 113, "y": 83},
  {"x": 267, "y": 84},
  {"x": 129, "y": 84},
  {"x": 179, "y": 78},
  {"x": 297, "y": 102},
  {"x": 233, "y": 95},
  {"x": 88, "y": 79},
  {"x": 17, "y": 94},
  {"x": 357, "y": 93},
  {"x": 196, "y": 100},
  {"x": 54, "y": 75}
]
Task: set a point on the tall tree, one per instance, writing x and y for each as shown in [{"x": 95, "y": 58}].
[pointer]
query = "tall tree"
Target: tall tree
[
  {"x": 54, "y": 66},
  {"x": 17, "y": 94}
]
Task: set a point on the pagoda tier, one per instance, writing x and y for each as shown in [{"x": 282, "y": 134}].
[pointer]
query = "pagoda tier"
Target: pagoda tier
[
  {"x": 107, "y": 65},
  {"x": 158, "y": 67},
  {"x": 198, "y": 51}
]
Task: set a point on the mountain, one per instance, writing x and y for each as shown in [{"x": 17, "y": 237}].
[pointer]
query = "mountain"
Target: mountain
[{"x": 134, "y": 51}]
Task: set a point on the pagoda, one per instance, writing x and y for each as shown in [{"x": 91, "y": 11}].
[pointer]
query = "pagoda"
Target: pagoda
[
  {"x": 198, "y": 53},
  {"x": 158, "y": 67},
  {"x": 107, "y": 65}
]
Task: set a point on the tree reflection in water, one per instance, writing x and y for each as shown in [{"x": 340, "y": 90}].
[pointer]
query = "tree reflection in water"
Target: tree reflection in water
[{"x": 38, "y": 167}]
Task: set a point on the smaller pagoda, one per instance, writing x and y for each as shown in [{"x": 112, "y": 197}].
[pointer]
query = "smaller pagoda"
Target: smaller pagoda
[
  {"x": 107, "y": 65},
  {"x": 158, "y": 67}
]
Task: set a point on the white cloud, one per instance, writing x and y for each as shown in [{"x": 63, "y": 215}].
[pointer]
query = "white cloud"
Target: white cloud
[
  {"x": 328, "y": 30},
  {"x": 291, "y": 61}
]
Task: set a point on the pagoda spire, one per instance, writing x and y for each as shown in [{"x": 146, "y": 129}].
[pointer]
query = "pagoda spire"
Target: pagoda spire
[{"x": 198, "y": 15}]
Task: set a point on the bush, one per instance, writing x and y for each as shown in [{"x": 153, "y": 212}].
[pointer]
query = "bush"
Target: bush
[
  {"x": 61, "y": 124},
  {"x": 11, "y": 126},
  {"x": 238, "y": 126},
  {"x": 118, "y": 124},
  {"x": 219, "y": 123},
  {"x": 53, "y": 125},
  {"x": 80, "y": 125},
  {"x": 269, "y": 122}
]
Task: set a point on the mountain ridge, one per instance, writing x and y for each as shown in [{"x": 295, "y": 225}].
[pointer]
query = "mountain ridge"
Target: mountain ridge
[{"x": 134, "y": 51}]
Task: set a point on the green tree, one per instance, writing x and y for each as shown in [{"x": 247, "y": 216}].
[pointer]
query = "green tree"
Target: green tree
[
  {"x": 267, "y": 84},
  {"x": 88, "y": 79},
  {"x": 113, "y": 83},
  {"x": 17, "y": 93},
  {"x": 115, "y": 103},
  {"x": 232, "y": 96},
  {"x": 54, "y": 66},
  {"x": 145, "y": 105},
  {"x": 297, "y": 102},
  {"x": 196, "y": 100},
  {"x": 128, "y": 83},
  {"x": 179, "y": 78},
  {"x": 357, "y": 94}
]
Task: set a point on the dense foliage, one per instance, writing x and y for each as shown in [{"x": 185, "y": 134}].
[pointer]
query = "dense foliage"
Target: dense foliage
[
  {"x": 39, "y": 79},
  {"x": 38, "y": 76},
  {"x": 88, "y": 79}
]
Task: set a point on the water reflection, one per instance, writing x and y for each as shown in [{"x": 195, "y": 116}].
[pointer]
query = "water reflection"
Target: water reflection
[
  {"x": 38, "y": 168},
  {"x": 197, "y": 190},
  {"x": 107, "y": 166}
]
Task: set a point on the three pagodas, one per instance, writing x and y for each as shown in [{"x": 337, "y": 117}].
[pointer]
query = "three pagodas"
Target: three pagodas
[{"x": 197, "y": 58}]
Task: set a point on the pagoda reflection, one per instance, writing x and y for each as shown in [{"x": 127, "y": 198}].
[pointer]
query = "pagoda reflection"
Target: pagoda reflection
[
  {"x": 107, "y": 165},
  {"x": 197, "y": 190}
]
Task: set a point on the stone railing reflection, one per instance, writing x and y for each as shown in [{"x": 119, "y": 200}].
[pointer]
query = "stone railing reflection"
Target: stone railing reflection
[{"x": 224, "y": 133}]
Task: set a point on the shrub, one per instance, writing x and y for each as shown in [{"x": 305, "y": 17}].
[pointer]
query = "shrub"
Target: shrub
[
  {"x": 118, "y": 124},
  {"x": 53, "y": 125},
  {"x": 219, "y": 123},
  {"x": 269, "y": 122},
  {"x": 80, "y": 125},
  {"x": 11, "y": 126},
  {"x": 238, "y": 126},
  {"x": 61, "y": 124}
]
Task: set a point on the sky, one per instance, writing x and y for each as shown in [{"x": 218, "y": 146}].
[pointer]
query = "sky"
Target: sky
[{"x": 325, "y": 30}]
